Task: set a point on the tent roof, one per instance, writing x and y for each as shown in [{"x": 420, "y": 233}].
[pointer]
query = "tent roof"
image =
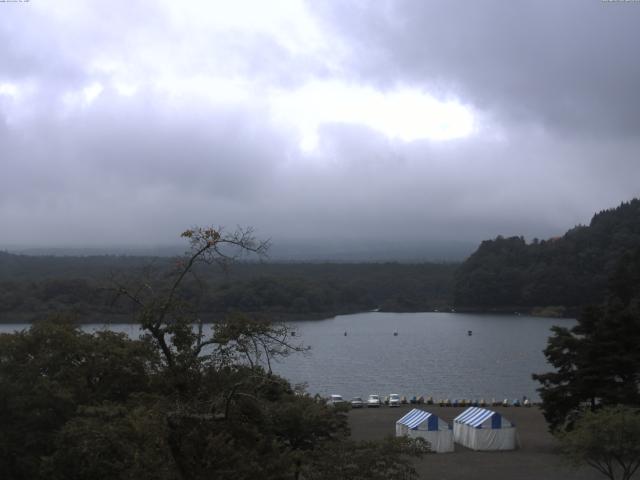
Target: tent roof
[
  {"x": 414, "y": 418},
  {"x": 474, "y": 416}
]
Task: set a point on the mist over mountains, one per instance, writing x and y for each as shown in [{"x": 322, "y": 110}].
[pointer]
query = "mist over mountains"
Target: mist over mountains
[{"x": 292, "y": 251}]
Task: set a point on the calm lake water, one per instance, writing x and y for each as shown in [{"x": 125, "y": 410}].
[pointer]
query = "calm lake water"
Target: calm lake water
[{"x": 431, "y": 355}]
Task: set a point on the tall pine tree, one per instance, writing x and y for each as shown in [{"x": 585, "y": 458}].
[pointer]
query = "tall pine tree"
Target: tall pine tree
[{"x": 597, "y": 361}]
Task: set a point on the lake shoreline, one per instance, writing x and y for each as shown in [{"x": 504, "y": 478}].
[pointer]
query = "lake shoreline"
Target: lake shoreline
[
  {"x": 207, "y": 319},
  {"x": 442, "y": 355},
  {"x": 212, "y": 318}
]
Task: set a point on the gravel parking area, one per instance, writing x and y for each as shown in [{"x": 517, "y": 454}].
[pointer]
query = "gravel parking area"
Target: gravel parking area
[{"x": 536, "y": 459}]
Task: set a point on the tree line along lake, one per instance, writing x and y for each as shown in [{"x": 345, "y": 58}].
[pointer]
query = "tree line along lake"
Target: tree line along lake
[{"x": 431, "y": 355}]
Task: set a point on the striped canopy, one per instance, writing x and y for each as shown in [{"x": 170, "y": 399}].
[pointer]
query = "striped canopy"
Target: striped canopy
[
  {"x": 476, "y": 416},
  {"x": 416, "y": 417}
]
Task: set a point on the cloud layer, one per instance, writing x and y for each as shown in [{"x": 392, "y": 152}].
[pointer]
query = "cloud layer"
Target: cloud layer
[{"x": 405, "y": 121}]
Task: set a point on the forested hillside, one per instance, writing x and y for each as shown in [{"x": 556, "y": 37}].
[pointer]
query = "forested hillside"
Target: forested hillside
[
  {"x": 504, "y": 274},
  {"x": 570, "y": 271},
  {"x": 33, "y": 286}
]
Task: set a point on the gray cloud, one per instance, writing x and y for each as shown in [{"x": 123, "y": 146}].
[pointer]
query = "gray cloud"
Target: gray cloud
[
  {"x": 194, "y": 138},
  {"x": 566, "y": 65}
]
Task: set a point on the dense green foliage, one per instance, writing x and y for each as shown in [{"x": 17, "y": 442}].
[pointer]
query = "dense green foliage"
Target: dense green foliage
[
  {"x": 597, "y": 362},
  {"x": 53, "y": 379},
  {"x": 571, "y": 271},
  {"x": 76, "y": 405},
  {"x": 31, "y": 286},
  {"x": 607, "y": 440},
  {"x": 175, "y": 404}
]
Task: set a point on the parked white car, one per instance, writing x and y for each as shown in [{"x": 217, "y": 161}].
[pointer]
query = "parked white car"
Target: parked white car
[
  {"x": 356, "y": 402},
  {"x": 374, "y": 401},
  {"x": 335, "y": 400},
  {"x": 394, "y": 400}
]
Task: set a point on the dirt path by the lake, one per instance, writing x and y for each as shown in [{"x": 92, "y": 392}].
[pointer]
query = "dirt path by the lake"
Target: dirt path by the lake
[{"x": 536, "y": 459}]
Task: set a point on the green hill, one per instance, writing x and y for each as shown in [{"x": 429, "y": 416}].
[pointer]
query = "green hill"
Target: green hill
[{"x": 567, "y": 272}]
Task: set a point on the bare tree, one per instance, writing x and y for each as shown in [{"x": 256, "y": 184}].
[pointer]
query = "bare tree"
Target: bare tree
[{"x": 168, "y": 318}]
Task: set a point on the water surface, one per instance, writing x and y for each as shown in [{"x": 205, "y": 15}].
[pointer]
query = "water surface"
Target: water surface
[{"x": 431, "y": 355}]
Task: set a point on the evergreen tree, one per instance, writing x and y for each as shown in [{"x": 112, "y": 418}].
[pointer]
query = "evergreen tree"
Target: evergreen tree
[{"x": 597, "y": 361}]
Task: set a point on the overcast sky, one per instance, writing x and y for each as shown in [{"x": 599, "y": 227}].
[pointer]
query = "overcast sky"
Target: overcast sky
[{"x": 125, "y": 122}]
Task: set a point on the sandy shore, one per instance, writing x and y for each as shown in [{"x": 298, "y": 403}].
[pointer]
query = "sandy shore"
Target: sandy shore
[{"x": 537, "y": 458}]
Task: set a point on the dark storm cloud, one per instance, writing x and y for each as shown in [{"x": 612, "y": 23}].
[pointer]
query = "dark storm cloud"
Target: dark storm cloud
[
  {"x": 127, "y": 122},
  {"x": 534, "y": 186},
  {"x": 569, "y": 65},
  {"x": 134, "y": 161}
]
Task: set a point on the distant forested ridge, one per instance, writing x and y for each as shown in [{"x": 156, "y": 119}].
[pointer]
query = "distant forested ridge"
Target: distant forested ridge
[
  {"x": 567, "y": 272},
  {"x": 33, "y": 286},
  {"x": 555, "y": 276}
]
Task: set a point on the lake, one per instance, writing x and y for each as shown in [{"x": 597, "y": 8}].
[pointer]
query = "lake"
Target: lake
[{"x": 431, "y": 355}]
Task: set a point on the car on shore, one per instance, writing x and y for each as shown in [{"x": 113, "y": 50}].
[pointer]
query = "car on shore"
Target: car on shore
[
  {"x": 335, "y": 400},
  {"x": 394, "y": 400},
  {"x": 356, "y": 402},
  {"x": 374, "y": 401}
]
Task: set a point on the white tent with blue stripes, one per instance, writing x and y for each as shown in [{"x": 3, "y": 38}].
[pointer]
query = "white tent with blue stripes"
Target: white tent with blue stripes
[
  {"x": 418, "y": 423},
  {"x": 481, "y": 429}
]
